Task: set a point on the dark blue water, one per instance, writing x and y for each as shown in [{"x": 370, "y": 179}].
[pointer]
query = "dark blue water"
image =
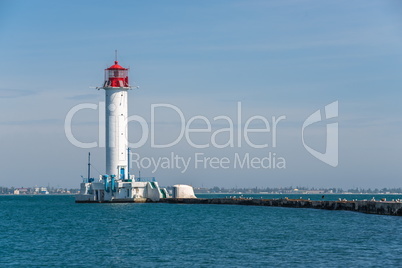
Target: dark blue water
[{"x": 53, "y": 231}]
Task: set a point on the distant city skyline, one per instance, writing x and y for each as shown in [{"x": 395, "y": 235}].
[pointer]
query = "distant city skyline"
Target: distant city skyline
[{"x": 275, "y": 59}]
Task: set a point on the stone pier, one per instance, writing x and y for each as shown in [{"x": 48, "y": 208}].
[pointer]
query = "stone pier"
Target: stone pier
[{"x": 370, "y": 207}]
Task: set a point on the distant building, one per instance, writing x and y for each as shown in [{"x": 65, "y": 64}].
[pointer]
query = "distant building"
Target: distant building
[
  {"x": 43, "y": 190},
  {"x": 201, "y": 190},
  {"x": 21, "y": 191},
  {"x": 314, "y": 192}
]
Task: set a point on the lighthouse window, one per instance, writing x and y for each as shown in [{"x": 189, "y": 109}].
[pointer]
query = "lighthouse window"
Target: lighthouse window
[{"x": 116, "y": 73}]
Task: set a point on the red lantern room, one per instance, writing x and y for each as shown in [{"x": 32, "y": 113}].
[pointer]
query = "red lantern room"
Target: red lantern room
[{"x": 116, "y": 76}]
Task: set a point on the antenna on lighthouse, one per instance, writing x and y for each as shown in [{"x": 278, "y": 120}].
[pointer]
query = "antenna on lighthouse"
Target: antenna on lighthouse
[
  {"x": 89, "y": 166},
  {"x": 115, "y": 55}
]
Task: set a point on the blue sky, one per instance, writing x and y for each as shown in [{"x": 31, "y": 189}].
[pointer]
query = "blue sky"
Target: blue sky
[{"x": 276, "y": 57}]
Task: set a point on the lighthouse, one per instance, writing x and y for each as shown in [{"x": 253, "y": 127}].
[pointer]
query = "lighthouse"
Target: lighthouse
[
  {"x": 117, "y": 185},
  {"x": 116, "y": 88}
]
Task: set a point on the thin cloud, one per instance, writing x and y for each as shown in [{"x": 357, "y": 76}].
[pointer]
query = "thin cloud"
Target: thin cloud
[
  {"x": 15, "y": 93},
  {"x": 32, "y": 122},
  {"x": 84, "y": 97}
]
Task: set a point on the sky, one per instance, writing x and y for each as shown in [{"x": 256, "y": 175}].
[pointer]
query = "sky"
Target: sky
[{"x": 205, "y": 58}]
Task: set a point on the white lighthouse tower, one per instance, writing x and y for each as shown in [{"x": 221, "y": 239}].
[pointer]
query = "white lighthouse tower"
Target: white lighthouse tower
[
  {"x": 116, "y": 86},
  {"x": 117, "y": 185}
]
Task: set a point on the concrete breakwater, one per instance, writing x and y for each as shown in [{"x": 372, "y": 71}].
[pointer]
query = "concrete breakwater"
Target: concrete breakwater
[{"x": 370, "y": 207}]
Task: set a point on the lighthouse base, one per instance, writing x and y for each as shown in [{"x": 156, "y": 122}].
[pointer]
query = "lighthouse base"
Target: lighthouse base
[{"x": 120, "y": 191}]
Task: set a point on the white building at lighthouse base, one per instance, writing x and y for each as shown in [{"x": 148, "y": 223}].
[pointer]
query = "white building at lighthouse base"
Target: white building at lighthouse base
[{"x": 107, "y": 189}]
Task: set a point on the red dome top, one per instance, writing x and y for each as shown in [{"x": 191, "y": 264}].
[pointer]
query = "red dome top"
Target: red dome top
[
  {"x": 116, "y": 66},
  {"x": 116, "y": 77}
]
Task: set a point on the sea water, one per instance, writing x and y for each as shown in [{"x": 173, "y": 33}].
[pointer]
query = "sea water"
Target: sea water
[{"x": 39, "y": 231}]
